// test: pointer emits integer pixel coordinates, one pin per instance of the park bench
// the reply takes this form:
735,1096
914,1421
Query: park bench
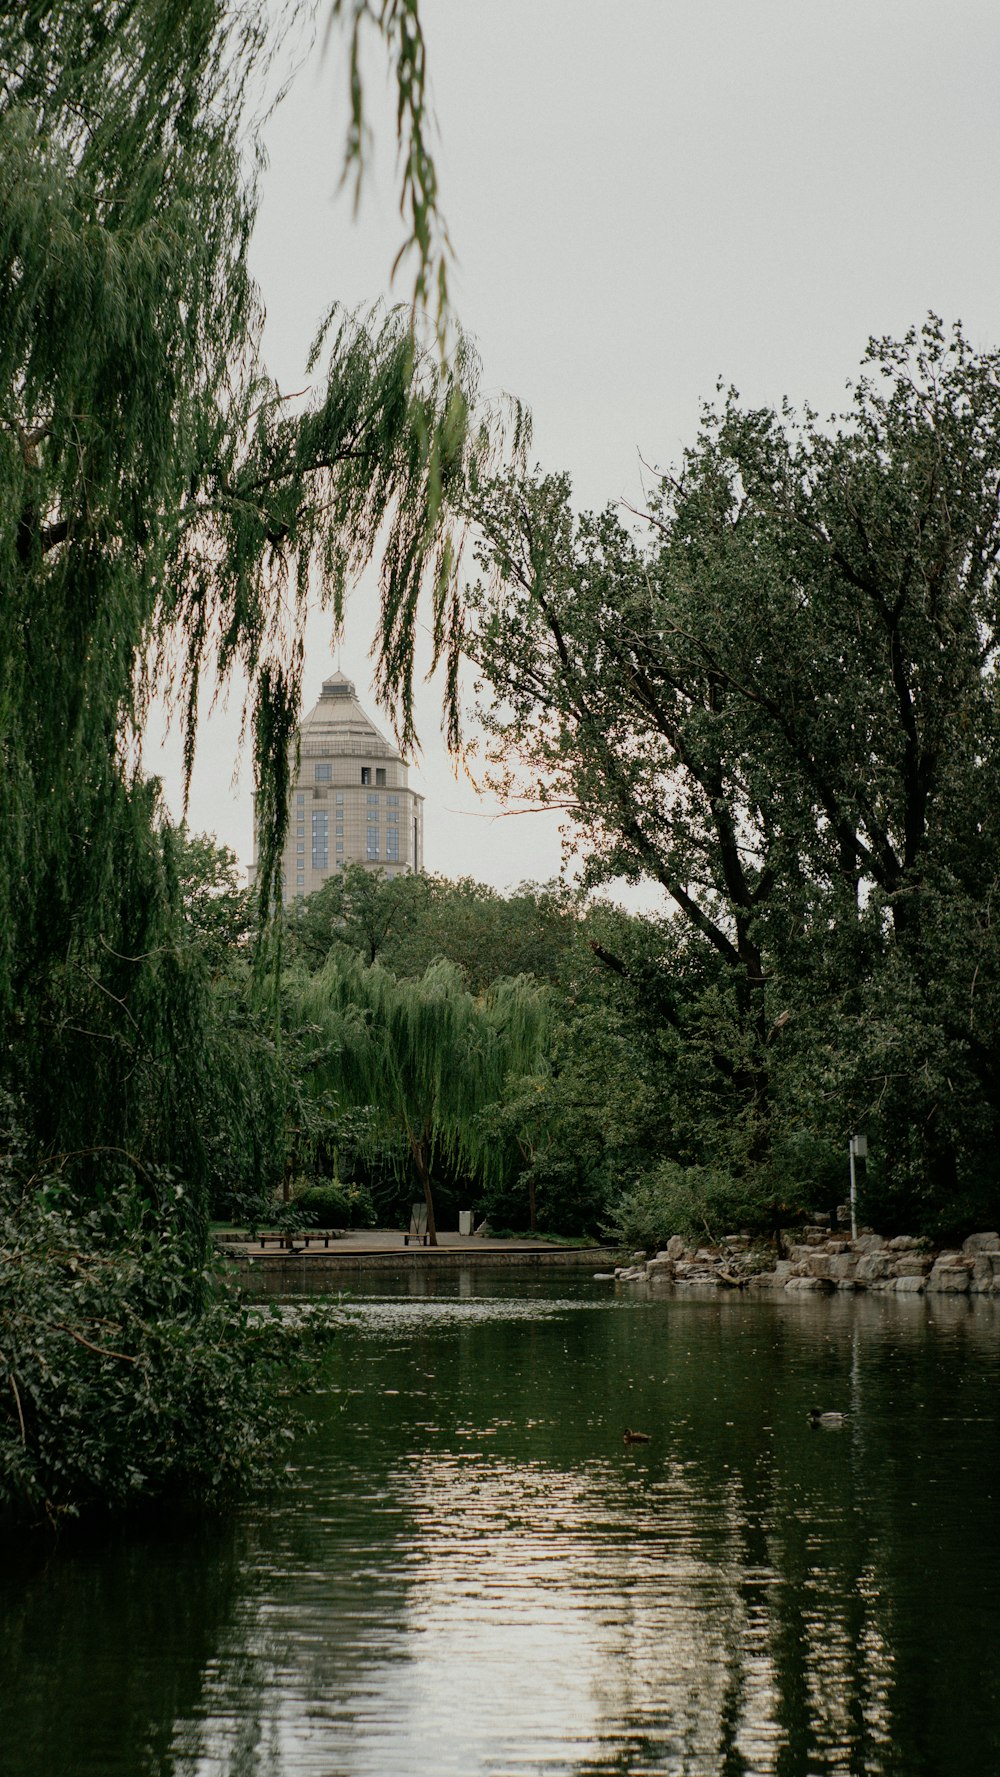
418,1225
315,1235
299,1241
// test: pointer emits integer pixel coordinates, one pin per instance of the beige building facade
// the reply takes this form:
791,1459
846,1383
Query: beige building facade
350,799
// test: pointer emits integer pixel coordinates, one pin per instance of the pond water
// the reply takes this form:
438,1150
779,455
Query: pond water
470,1572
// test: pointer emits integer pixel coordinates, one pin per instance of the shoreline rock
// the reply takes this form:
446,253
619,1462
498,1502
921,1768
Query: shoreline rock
820,1263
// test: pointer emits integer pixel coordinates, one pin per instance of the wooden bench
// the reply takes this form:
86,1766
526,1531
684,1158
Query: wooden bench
299,1241
418,1225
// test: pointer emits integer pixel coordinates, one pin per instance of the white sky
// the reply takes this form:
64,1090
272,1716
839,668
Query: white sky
643,195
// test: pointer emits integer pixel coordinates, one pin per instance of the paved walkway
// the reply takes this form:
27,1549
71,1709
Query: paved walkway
388,1243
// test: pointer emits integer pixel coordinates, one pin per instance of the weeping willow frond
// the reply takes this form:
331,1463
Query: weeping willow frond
164,511
425,1053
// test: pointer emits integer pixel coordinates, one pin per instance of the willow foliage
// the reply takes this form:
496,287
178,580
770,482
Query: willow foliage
163,511
426,1054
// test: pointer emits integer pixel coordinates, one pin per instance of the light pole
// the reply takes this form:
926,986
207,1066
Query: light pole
858,1151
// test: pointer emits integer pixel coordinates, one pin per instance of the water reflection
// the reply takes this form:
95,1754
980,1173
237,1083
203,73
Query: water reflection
472,1573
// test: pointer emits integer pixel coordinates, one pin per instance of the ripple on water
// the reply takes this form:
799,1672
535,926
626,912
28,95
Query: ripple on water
472,1575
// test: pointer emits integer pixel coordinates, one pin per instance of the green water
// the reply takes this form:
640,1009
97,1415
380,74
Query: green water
470,1573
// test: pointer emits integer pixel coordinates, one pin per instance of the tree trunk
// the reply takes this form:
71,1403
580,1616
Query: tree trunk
754,1082
418,1148
528,1157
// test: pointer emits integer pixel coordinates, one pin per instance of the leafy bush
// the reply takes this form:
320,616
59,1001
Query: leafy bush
804,1176
128,1370
336,1204
695,1201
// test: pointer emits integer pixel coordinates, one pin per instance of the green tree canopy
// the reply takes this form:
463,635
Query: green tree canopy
528,931
359,911
429,1057
779,703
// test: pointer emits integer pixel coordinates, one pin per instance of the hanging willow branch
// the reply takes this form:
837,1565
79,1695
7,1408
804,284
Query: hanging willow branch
426,1054
165,512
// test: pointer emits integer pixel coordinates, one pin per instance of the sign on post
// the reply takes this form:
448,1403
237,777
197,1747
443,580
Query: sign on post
858,1151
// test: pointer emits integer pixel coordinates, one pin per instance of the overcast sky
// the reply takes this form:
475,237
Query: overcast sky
644,196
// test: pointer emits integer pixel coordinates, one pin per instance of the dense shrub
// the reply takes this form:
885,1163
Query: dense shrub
127,1371
336,1204
803,1177
696,1201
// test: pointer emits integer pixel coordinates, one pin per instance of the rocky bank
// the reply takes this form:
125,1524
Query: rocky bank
817,1261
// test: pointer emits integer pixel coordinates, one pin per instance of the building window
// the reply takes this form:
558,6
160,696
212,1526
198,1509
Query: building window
340,848
392,799
339,797
372,803
324,773
300,845
380,774
392,844
366,774
321,839
392,817
340,829
373,842
300,797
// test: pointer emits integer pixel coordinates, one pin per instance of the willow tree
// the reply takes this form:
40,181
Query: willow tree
162,510
425,1054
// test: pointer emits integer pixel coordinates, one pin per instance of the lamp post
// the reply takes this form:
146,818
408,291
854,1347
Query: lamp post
858,1151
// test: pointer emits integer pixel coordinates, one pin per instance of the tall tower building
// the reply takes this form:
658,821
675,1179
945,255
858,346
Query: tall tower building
350,801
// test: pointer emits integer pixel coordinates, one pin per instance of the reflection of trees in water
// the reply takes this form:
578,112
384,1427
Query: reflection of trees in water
104,1644
471,1560
843,1547
787,1633
734,1596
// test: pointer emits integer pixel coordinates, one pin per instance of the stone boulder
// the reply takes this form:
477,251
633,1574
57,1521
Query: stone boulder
981,1243
951,1274
912,1264
660,1268
872,1266
869,1243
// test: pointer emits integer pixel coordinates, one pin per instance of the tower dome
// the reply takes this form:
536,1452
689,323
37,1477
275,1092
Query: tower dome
350,797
